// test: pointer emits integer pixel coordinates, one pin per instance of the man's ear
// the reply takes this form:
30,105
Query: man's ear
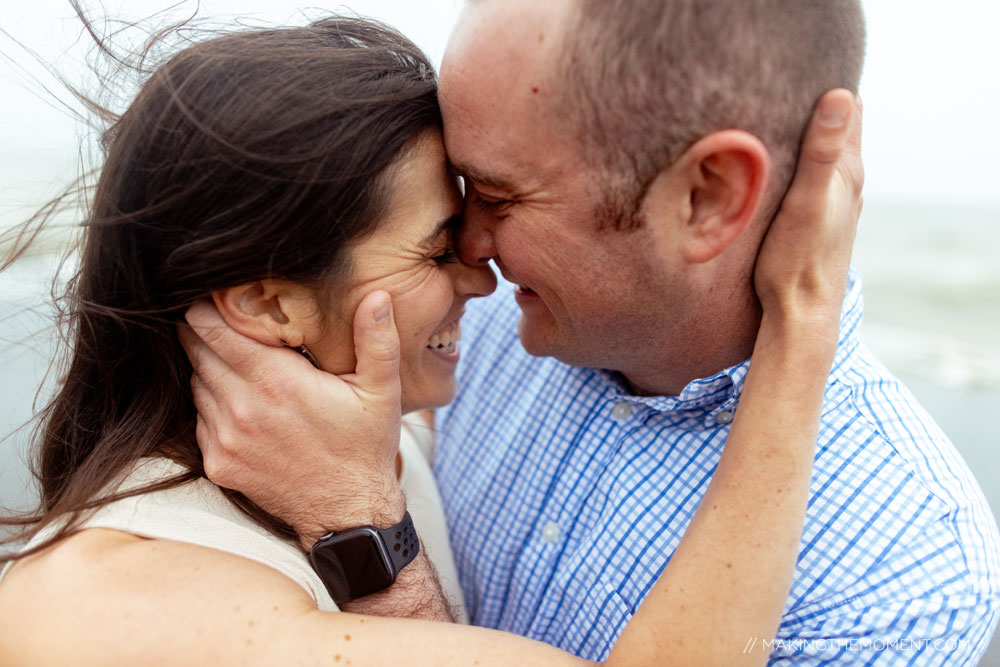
273,312
720,181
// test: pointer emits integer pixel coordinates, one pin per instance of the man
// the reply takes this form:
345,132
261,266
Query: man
622,161
599,183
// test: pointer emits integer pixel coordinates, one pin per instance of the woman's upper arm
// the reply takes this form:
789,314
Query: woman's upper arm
106,597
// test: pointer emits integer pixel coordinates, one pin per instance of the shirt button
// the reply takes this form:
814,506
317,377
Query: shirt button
621,411
724,417
550,532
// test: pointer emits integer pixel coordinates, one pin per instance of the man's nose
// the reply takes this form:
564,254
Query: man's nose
475,243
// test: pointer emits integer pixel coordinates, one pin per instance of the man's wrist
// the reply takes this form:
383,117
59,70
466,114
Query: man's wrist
364,560
373,503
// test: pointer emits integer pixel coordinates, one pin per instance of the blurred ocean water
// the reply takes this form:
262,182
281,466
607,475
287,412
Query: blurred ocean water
932,292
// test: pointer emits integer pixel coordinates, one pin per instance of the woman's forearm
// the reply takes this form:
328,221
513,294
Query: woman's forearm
728,579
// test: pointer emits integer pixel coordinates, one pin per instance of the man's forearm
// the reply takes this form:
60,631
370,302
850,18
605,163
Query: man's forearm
416,593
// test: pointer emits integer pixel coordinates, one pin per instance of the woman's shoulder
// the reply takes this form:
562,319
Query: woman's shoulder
121,582
197,514
200,514
101,592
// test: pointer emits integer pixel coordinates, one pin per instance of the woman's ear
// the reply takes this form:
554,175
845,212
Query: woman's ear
719,182
273,312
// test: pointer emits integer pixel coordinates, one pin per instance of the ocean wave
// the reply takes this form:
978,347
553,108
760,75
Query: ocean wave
946,360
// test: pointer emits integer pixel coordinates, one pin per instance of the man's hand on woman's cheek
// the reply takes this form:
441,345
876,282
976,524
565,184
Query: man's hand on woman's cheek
314,449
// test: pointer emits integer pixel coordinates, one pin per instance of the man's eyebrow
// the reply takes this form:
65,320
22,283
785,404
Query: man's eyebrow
476,176
447,224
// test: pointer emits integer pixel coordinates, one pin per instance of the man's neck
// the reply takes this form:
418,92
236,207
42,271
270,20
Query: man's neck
709,349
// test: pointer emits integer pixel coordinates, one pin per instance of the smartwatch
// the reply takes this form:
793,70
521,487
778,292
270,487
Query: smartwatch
361,561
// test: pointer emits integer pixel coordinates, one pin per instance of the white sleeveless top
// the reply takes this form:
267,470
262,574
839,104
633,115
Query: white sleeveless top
198,513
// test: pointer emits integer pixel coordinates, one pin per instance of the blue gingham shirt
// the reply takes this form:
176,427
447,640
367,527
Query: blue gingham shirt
566,496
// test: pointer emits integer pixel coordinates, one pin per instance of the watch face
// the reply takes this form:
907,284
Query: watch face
352,565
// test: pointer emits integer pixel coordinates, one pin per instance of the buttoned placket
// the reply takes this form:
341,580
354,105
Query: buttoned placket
621,412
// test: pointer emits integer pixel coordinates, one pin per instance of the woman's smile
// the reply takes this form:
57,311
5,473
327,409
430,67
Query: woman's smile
411,256
444,343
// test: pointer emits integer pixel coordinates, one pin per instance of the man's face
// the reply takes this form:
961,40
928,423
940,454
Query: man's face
588,296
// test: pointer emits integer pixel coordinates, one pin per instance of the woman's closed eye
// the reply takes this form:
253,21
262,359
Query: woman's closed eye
446,256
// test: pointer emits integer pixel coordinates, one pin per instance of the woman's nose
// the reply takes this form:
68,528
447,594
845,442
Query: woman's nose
472,281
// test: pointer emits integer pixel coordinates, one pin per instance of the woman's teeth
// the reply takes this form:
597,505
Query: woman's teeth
445,341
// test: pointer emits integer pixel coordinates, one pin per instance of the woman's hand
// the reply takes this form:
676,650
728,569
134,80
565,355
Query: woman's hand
801,271
314,449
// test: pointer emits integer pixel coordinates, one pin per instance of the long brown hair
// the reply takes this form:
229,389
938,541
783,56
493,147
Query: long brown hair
255,154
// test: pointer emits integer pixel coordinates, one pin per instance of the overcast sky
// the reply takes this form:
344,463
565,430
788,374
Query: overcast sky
931,88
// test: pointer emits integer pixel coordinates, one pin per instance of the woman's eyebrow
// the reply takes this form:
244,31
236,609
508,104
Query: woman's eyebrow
449,223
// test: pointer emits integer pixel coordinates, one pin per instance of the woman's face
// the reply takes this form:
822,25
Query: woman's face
411,256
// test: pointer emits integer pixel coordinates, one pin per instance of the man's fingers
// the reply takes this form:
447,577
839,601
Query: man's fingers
206,410
203,360
240,353
376,345
208,443
204,400
205,319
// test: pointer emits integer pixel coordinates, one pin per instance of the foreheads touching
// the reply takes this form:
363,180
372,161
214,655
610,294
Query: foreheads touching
678,121
634,83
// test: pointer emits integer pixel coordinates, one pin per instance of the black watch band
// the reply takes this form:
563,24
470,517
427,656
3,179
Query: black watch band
364,560
401,542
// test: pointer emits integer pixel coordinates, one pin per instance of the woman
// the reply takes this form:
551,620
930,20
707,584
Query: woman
297,177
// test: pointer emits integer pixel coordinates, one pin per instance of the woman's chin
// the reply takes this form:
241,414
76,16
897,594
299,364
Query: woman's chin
429,397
